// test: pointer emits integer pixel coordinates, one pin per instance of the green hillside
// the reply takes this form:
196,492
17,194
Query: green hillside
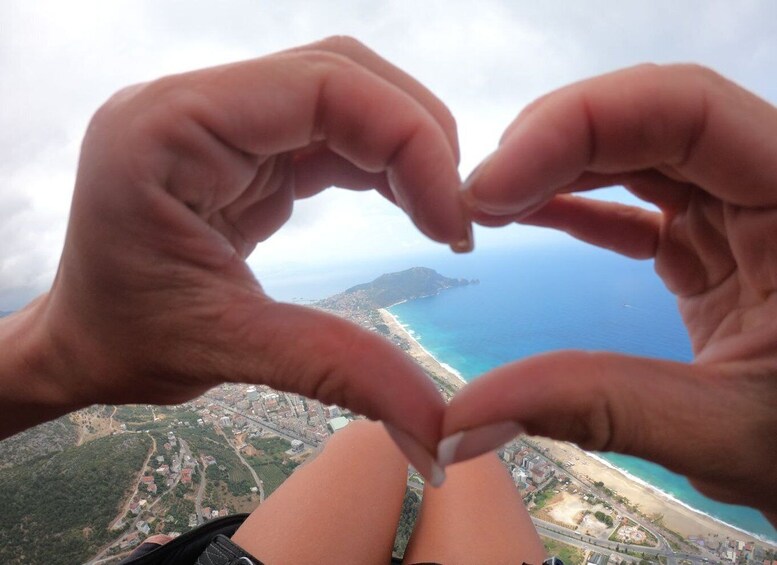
56,509
391,288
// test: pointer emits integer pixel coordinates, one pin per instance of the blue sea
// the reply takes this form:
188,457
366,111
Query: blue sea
569,296
532,300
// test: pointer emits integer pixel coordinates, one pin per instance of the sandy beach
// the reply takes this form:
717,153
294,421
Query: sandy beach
651,502
421,355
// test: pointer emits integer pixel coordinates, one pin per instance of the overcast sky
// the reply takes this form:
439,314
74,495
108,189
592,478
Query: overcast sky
60,60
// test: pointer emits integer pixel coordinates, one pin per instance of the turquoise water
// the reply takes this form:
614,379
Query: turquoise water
575,296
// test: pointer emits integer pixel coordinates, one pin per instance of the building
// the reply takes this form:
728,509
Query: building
297,445
130,541
597,559
337,423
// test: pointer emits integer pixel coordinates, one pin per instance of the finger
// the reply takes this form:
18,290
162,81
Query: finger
286,102
367,58
680,416
628,230
325,357
707,129
321,168
651,186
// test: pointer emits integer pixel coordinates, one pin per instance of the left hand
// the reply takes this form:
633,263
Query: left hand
179,179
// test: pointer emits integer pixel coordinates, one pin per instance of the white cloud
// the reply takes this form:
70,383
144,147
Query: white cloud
60,60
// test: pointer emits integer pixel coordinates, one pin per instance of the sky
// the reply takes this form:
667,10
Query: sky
486,60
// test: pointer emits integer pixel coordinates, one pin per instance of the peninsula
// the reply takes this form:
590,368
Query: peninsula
392,288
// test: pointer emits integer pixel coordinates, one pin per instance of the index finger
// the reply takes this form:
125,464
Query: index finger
225,120
367,58
714,133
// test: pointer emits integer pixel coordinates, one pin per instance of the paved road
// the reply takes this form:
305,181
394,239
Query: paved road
663,544
282,432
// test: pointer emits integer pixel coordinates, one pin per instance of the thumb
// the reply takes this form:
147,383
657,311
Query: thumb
712,424
322,356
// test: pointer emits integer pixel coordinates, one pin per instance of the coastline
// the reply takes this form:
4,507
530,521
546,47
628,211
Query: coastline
417,351
652,501
674,500
675,514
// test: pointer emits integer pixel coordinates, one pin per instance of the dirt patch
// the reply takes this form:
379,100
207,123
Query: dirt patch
249,450
566,508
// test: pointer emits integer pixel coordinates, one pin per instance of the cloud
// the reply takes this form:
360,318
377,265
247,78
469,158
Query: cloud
60,61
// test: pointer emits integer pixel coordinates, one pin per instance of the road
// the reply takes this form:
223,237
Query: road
570,537
282,432
588,487
103,550
257,480
200,491
123,513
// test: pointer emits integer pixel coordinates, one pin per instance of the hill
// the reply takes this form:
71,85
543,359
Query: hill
392,288
41,440
56,509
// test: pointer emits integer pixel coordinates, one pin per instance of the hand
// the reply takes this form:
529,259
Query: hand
178,181
704,152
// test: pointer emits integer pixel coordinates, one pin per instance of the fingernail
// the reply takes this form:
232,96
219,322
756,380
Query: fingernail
477,441
467,243
419,457
466,188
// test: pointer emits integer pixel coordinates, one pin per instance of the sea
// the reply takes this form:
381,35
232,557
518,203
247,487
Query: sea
544,298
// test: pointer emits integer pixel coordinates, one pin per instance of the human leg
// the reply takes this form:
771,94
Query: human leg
476,516
342,507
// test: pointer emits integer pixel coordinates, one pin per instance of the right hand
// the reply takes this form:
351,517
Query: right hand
704,151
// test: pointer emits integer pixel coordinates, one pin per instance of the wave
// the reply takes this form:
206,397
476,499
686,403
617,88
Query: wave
417,340
669,496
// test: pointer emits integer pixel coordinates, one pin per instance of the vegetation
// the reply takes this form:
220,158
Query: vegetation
228,468
606,490
570,555
271,463
42,440
272,476
179,508
56,510
541,497
603,518
392,288
410,508
134,413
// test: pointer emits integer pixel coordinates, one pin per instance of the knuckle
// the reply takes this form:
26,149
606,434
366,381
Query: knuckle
341,44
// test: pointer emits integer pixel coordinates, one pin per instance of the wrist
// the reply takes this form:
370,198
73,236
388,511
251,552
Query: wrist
33,379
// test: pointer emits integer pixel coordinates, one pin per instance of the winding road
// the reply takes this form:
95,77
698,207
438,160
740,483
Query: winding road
257,480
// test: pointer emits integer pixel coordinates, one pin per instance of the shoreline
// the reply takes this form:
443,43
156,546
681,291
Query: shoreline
674,500
677,515
443,371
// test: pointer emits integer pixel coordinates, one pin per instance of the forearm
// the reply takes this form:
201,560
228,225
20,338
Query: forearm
32,383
